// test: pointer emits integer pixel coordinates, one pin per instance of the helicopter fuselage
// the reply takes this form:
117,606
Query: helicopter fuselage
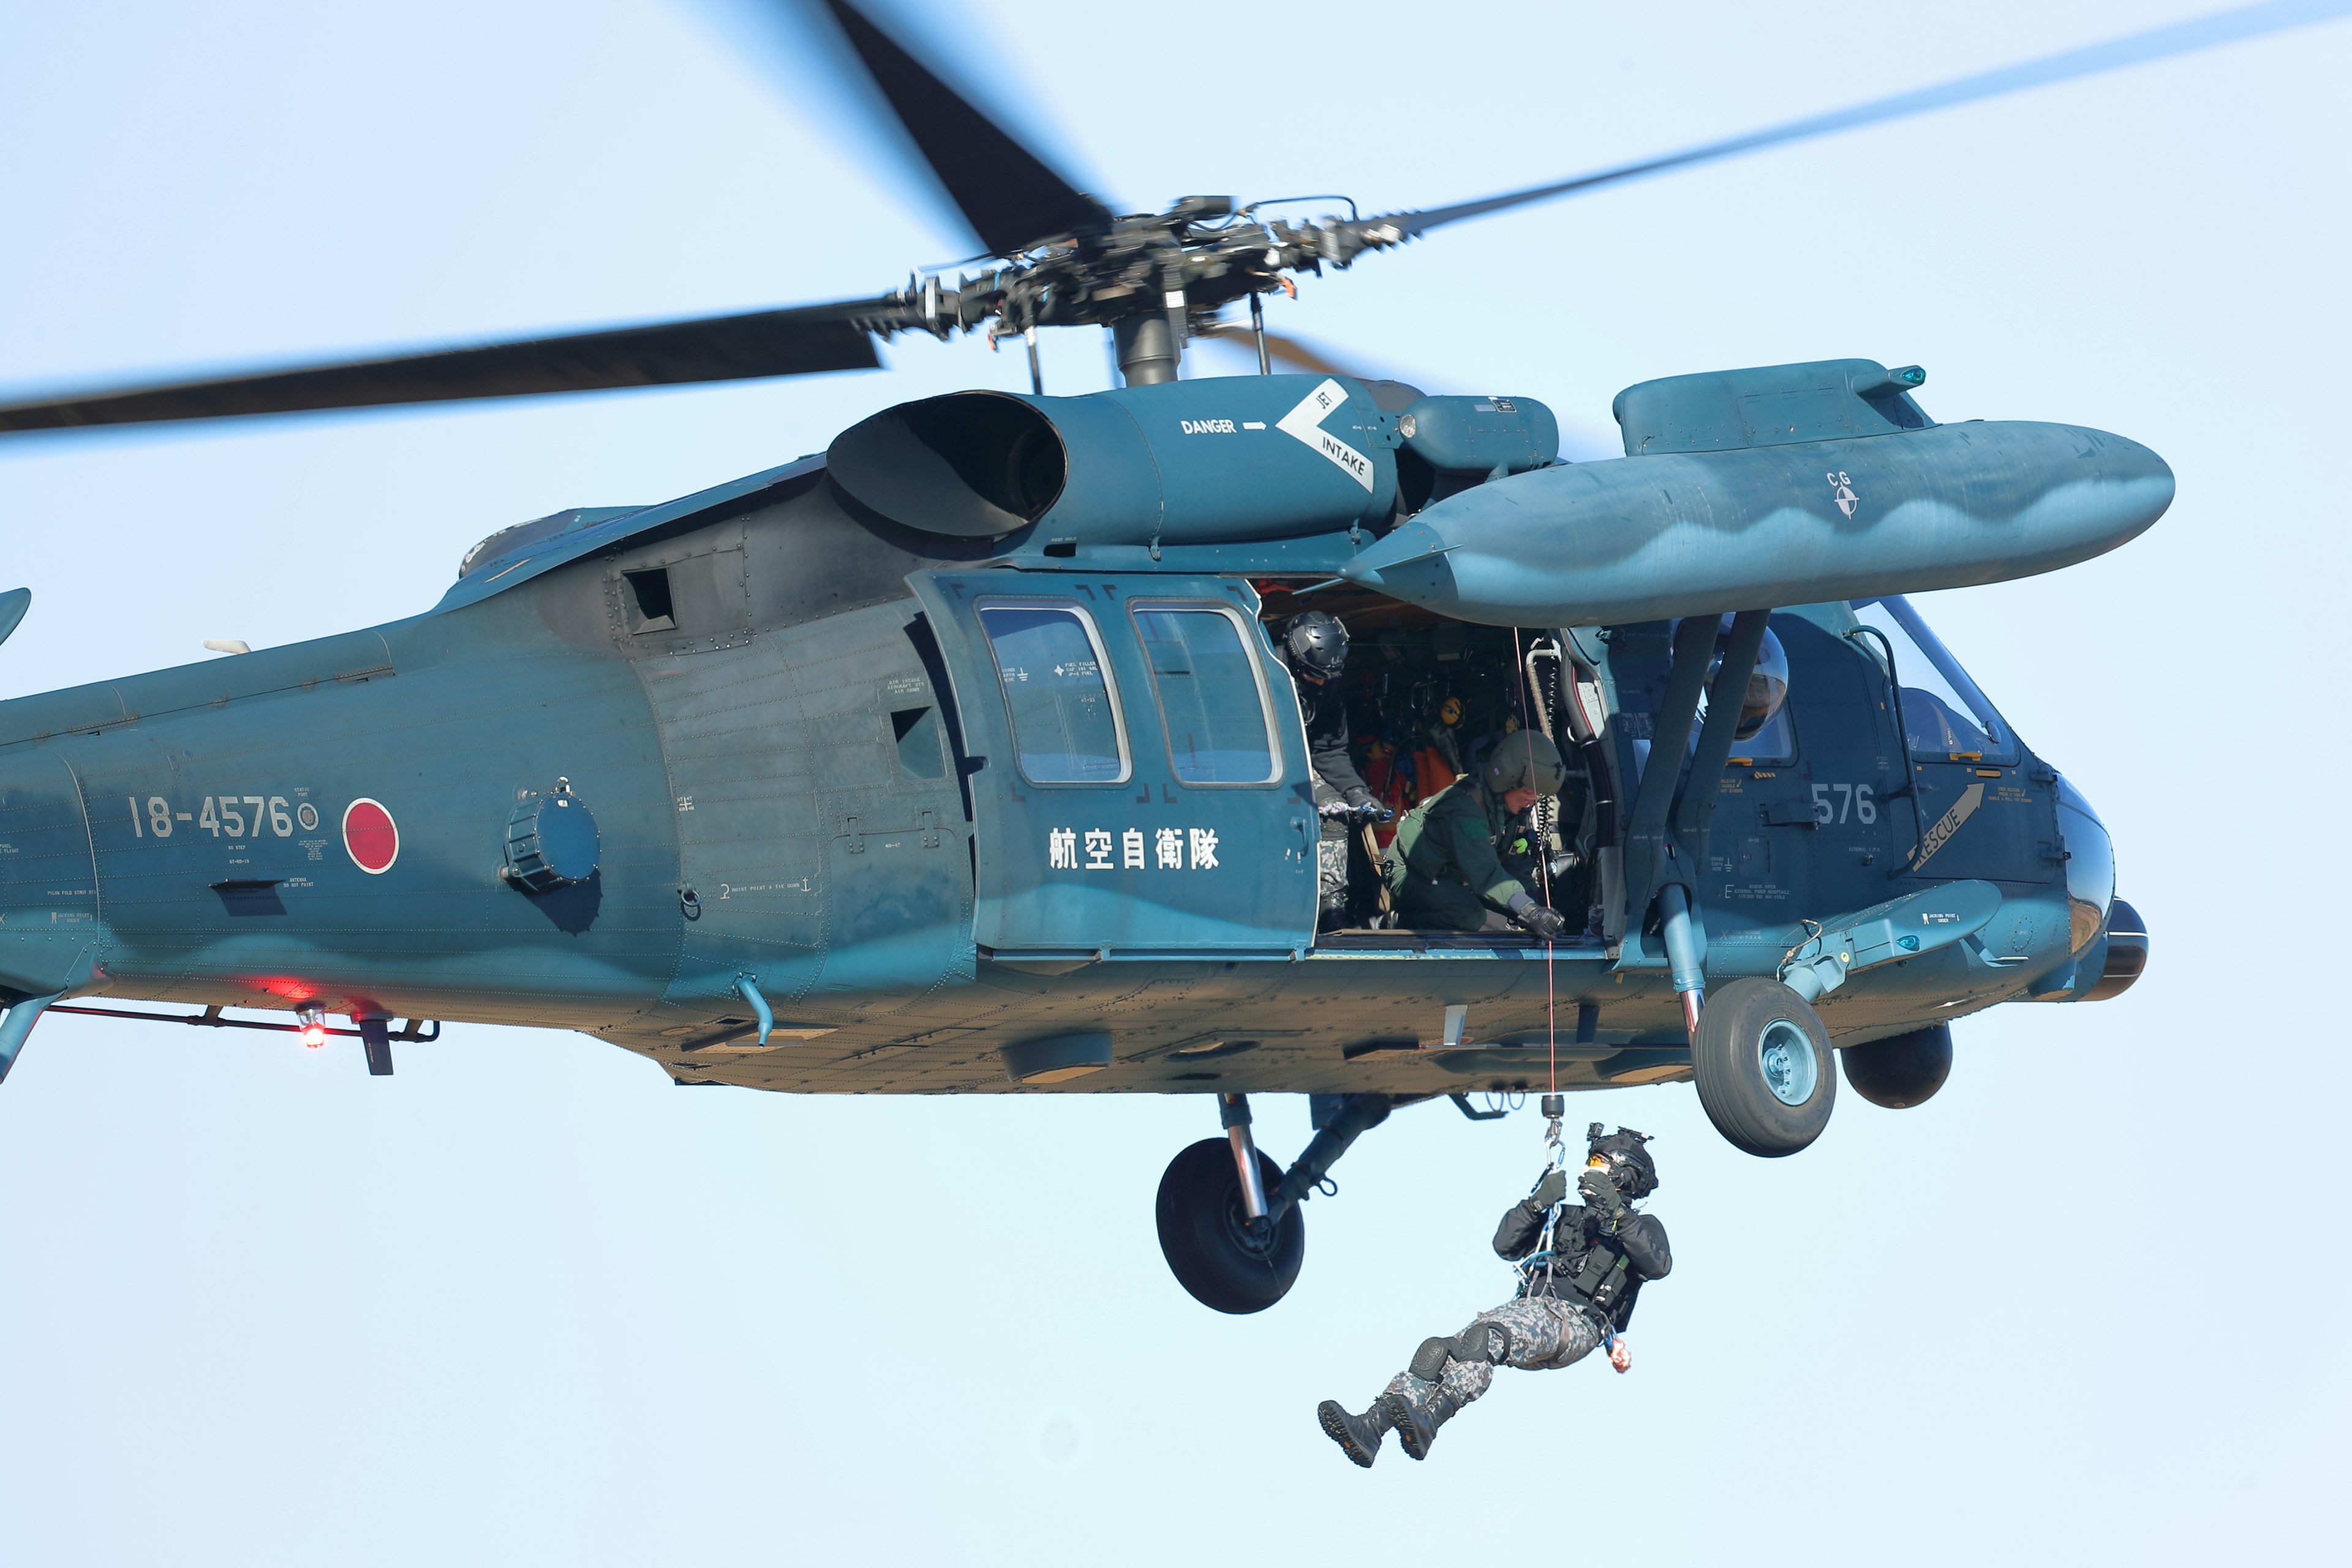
799,729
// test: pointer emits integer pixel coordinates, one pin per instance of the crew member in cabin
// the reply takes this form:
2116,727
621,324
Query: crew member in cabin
1443,870
1313,649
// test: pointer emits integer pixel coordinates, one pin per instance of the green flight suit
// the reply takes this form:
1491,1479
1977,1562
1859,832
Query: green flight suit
1442,870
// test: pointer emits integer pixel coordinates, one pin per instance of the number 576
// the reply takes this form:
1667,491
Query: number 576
1851,798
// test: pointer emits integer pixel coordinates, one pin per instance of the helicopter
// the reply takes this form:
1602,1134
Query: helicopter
885,771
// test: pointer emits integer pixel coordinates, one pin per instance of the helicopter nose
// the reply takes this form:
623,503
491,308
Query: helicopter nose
2090,865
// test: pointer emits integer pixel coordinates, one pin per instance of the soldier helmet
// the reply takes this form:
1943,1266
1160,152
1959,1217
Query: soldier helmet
1630,1165
1318,644
1523,760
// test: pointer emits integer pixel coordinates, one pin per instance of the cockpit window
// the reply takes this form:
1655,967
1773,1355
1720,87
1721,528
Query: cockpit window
1764,733
1945,717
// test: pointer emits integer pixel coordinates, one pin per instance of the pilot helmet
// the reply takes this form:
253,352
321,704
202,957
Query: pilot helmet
1318,644
1768,687
1630,1167
1522,759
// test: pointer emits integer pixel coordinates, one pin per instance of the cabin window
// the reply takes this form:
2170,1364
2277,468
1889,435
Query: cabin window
1066,720
1945,717
1212,696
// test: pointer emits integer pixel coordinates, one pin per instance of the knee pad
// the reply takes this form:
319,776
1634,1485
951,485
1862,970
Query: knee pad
1487,1341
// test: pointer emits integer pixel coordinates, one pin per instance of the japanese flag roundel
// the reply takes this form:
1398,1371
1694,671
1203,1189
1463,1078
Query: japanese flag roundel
371,836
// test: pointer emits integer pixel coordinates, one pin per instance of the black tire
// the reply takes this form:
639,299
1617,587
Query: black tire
1210,1244
1761,1061
1902,1070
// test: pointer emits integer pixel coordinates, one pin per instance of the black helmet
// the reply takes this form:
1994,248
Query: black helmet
1630,1165
1318,644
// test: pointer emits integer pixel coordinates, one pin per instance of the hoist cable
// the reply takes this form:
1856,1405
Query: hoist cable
1543,883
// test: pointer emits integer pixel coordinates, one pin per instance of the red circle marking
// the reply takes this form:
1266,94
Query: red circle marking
371,836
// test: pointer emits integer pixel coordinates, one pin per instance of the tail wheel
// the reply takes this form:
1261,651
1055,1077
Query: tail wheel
1216,1254
1762,1062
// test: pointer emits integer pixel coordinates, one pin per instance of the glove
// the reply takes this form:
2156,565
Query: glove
1550,1190
1363,808
1534,917
1600,1194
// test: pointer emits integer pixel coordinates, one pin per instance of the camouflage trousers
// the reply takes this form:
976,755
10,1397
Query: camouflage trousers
1545,1335
1330,851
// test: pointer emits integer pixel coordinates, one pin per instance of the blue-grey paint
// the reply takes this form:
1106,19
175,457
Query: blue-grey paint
783,714
1685,531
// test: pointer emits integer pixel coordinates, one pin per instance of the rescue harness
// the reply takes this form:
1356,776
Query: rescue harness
1600,1281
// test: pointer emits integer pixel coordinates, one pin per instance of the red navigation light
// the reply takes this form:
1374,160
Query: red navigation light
314,1034
314,1024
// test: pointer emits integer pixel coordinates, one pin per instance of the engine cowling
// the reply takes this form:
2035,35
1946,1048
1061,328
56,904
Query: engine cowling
1223,461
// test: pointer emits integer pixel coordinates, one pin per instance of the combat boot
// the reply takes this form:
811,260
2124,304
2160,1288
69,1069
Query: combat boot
1358,1436
1416,1428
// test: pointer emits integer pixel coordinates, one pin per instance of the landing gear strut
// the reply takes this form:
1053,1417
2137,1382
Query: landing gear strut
1228,1216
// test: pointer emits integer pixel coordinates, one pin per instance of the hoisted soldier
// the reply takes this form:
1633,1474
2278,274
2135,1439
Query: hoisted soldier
1580,1268
1443,870
1313,649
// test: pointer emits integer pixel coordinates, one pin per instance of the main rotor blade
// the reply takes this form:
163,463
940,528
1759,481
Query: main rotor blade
797,342
2159,43
1012,197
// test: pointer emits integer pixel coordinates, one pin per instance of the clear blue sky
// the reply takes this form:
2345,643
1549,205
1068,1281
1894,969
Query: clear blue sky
526,1303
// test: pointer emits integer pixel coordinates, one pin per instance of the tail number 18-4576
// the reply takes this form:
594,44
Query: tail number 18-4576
236,816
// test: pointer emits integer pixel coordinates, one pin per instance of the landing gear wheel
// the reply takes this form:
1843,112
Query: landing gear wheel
1216,1254
1761,1060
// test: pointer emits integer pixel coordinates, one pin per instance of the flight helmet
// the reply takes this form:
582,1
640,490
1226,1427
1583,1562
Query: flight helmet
1767,686
1520,760
1318,644
1630,1165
